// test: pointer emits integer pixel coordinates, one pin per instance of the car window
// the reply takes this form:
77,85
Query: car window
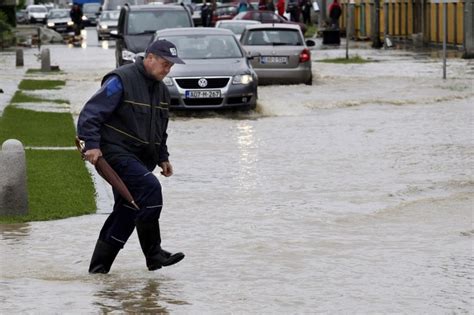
268,17
206,46
274,37
145,21
90,8
109,16
38,9
236,28
57,14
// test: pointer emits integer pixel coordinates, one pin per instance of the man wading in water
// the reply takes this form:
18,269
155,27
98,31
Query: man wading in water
125,122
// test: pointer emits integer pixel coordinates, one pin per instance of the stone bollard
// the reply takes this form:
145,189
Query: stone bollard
45,60
19,58
13,190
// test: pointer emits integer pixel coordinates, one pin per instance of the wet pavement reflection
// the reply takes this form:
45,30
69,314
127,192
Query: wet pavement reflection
353,195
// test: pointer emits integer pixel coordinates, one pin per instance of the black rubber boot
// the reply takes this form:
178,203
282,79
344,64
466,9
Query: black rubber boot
103,257
150,240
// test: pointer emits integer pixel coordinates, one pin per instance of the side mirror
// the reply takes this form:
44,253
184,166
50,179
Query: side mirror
310,43
252,55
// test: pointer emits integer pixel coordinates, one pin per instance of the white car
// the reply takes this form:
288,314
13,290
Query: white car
36,13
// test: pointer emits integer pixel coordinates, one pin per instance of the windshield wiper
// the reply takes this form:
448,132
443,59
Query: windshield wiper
144,32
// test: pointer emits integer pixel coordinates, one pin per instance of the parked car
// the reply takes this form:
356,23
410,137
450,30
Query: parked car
223,12
267,17
36,13
138,24
90,13
21,17
60,21
280,52
217,73
107,22
236,26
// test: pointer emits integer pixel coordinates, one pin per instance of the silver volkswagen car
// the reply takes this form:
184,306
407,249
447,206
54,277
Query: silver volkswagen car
217,73
281,53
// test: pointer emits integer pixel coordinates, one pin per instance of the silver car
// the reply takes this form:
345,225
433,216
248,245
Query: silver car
281,54
217,73
236,26
60,21
106,23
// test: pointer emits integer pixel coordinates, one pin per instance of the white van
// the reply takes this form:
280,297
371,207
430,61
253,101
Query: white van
36,13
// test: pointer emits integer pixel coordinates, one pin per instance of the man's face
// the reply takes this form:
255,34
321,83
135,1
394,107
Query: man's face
157,67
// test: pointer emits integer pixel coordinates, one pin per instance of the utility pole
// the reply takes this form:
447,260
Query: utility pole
468,29
376,42
444,37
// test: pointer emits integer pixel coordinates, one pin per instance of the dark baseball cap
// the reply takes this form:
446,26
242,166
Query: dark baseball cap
164,49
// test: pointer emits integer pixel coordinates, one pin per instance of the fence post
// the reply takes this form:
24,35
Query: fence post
19,58
468,29
45,60
13,190
376,42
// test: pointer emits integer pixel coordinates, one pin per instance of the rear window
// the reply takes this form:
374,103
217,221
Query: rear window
147,21
274,37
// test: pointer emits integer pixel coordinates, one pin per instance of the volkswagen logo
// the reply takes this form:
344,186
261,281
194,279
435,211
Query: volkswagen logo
202,82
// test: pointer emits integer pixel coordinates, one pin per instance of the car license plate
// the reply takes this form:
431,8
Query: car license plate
203,94
61,28
274,59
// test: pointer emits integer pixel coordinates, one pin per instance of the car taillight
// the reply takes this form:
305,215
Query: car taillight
305,55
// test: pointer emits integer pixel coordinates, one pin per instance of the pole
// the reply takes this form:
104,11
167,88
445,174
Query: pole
347,29
445,35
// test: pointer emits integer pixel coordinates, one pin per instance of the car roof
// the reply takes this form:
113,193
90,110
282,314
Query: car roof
156,7
238,21
194,31
274,25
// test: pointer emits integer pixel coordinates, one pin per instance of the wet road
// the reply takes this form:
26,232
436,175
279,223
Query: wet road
352,195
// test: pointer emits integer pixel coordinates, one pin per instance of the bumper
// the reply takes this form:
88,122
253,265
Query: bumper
232,96
297,75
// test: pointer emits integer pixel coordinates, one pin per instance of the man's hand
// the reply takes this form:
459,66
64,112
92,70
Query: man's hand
167,168
92,155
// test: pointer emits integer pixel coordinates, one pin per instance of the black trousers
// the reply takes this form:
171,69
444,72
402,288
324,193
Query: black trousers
146,190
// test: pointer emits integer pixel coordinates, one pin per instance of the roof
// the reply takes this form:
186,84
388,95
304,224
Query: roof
156,7
194,31
274,25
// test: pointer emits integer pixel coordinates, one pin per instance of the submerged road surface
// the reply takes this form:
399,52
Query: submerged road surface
351,195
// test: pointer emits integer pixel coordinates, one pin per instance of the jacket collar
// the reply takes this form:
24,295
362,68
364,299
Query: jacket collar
141,67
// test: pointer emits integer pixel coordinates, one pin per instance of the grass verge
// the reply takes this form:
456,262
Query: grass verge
41,84
355,59
37,128
59,186
20,97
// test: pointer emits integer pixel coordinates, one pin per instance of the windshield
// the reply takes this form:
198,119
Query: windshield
206,46
38,9
91,8
140,22
274,37
109,15
58,14
116,4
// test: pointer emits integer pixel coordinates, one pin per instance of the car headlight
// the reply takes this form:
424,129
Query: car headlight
128,55
242,79
50,24
84,18
167,81
104,27
70,23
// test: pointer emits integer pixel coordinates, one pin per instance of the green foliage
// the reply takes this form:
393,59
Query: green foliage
34,128
20,97
355,59
41,84
59,186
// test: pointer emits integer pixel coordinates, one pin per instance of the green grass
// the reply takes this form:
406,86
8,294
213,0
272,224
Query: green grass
355,59
41,84
37,128
59,186
20,97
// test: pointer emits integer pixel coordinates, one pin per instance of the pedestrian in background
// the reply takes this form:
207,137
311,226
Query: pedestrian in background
262,5
306,6
335,12
244,6
293,9
281,8
270,6
125,122
76,17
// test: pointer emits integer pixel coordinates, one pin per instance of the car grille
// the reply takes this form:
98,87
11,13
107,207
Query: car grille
203,101
212,83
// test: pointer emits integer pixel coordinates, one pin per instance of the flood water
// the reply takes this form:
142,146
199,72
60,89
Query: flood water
351,195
